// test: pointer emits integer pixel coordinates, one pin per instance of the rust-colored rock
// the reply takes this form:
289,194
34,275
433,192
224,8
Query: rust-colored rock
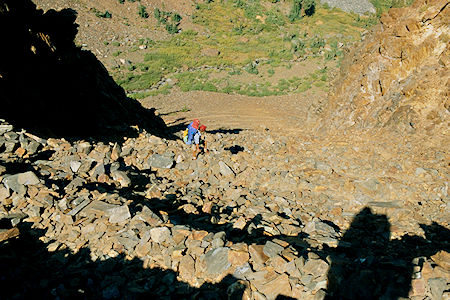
398,78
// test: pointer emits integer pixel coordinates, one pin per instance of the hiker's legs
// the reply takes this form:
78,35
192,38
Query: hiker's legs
196,142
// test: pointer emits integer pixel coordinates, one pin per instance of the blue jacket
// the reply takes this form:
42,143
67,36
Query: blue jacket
191,132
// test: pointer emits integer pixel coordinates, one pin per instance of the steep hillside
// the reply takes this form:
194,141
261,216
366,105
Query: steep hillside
399,78
51,86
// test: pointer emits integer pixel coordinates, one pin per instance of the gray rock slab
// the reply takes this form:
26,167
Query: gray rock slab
357,6
272,249
75,166
315,267
121,177
79,207
148,216
27,178
217,260
160,161
5,128
225,170
99,208
12,183
437,286
119,214
160,234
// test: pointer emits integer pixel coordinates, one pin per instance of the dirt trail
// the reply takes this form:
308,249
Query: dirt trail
287,113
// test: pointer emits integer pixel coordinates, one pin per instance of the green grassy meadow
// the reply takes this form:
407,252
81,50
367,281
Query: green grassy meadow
254,38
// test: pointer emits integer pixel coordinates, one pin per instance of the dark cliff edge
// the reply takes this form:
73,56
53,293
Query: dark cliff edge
51,87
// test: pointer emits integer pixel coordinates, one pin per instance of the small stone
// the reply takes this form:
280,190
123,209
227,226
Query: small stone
437,286
277,287
217,260
149,217
75,166
320,295
6,234
186,267
257,254
121,177
160,161
418,287
272,249
238,258
27,178
225,170
4,193
20,152
98,170
241,272
160,234
95,208
442,259
5,128
115,152
119,214
240,223
207,207
315,267
11,182
79,207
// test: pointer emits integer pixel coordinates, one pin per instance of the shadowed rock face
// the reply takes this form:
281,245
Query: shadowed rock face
399,77
51,86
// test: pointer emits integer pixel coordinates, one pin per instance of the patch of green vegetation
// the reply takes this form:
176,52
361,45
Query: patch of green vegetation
116,53
301,8
195,81
142,11
164,90
135,82
252,69
106,14
244,32
185,109
204,81
169,19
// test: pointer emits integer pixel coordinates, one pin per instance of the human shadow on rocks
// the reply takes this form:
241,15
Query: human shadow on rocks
31,271
367,264
235,149
225,131
53,88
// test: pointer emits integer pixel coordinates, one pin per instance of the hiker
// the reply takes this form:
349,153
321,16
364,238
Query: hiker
192,135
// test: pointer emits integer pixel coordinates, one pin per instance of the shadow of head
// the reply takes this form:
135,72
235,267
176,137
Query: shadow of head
53,88
225,131
235,149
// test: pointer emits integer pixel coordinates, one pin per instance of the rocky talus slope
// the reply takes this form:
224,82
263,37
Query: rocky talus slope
261,215
266,214
399,78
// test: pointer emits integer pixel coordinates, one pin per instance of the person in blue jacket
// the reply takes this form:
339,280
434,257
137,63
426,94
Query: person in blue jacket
191,136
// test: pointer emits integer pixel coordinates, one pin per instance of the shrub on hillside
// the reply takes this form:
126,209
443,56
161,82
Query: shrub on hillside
301,8
142,11
169,19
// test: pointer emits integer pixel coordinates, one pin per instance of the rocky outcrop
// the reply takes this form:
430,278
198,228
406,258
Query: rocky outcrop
358,6
399,77
50,86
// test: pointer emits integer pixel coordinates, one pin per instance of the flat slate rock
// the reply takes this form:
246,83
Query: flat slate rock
217,260
161,162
